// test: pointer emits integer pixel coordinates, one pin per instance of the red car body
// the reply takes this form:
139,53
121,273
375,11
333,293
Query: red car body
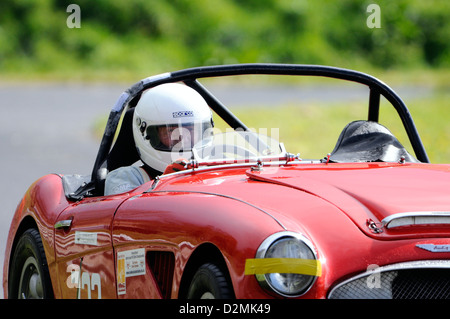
363,220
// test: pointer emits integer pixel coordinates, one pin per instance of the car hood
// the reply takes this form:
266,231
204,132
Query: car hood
374,196
381,198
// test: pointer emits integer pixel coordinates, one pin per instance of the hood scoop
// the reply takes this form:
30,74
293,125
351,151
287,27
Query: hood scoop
416,219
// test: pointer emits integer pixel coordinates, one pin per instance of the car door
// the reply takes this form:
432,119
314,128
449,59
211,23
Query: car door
84,254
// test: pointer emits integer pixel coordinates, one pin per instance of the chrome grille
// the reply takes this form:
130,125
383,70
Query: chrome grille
412,280
422,284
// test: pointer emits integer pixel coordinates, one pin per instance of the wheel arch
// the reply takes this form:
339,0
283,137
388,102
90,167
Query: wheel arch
204,253
28,222
34,243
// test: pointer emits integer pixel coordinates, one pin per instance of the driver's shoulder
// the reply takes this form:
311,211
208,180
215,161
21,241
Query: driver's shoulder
128,171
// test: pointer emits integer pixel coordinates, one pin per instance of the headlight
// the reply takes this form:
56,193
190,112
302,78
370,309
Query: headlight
292,253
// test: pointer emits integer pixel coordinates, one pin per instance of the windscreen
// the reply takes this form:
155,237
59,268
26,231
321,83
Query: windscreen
237,145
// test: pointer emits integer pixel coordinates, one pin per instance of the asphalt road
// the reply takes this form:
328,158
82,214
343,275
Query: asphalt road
47,129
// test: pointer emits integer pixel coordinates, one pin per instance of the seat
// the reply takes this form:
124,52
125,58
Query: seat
123,152
367,141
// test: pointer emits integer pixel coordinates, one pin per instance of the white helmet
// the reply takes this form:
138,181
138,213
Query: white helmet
168,120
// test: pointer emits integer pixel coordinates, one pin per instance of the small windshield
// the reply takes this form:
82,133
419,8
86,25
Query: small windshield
237,145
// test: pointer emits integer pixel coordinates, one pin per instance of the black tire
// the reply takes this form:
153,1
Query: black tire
209,282
28,274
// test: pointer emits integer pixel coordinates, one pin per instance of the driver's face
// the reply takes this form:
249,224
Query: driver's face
172,135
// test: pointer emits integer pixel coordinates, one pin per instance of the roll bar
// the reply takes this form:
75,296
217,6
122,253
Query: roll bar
189,77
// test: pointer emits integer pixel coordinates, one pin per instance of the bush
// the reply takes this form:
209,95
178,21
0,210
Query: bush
140,35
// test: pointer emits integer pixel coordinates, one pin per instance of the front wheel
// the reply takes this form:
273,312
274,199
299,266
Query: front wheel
29,277
209,282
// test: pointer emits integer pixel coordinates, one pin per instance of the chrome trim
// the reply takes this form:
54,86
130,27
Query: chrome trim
63,224
420,264
416,218
435,248
274,164
261,252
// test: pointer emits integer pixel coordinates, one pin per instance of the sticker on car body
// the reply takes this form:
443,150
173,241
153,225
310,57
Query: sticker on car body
86,238
130,263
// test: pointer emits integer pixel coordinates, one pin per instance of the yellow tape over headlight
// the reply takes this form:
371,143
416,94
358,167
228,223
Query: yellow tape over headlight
260,266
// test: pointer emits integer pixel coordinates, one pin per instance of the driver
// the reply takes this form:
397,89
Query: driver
168,120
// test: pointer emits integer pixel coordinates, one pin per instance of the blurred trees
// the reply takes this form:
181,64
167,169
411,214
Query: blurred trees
159,35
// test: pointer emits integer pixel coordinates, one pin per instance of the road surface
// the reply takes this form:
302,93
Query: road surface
46,129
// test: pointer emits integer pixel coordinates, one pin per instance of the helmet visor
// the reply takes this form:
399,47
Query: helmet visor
178,137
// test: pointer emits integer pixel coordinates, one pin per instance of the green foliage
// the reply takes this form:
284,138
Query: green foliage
312,129
142,37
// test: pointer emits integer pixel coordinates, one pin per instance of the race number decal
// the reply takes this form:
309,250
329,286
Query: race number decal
83,281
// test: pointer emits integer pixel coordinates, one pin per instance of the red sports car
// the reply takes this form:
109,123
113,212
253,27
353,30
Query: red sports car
246,218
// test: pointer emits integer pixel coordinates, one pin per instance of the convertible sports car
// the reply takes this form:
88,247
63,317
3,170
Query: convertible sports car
246,218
